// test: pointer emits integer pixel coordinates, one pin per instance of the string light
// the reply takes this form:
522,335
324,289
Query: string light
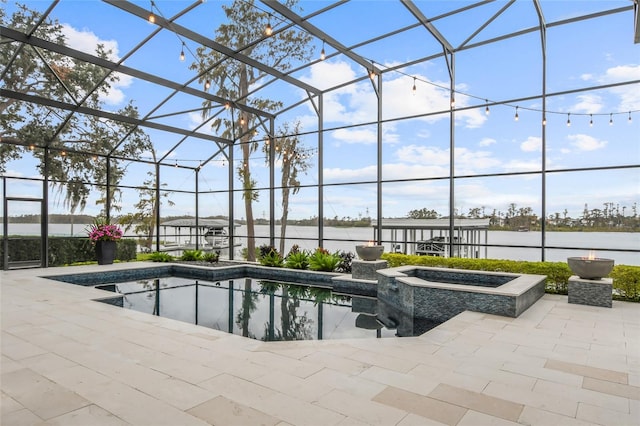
569,120
152,17
31,147
610,119
414,85
322,53
629,121
207,84
544,120
517,117
268,30
486,109
453,101
590,120
182,52
242,119
372,74
227,105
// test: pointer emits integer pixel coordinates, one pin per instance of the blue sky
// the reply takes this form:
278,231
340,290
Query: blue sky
596,52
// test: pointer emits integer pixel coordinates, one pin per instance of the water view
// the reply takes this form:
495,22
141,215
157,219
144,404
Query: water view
521,244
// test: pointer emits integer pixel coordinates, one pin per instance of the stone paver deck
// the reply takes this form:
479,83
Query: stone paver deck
67,360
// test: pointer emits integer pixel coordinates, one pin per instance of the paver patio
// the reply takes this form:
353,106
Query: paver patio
67,360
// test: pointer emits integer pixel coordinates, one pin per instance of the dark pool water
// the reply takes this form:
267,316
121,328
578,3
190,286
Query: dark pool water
259,309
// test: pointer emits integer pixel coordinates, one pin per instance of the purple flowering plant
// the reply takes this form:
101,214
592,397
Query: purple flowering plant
104,231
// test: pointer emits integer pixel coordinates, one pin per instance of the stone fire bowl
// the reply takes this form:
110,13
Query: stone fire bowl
590,269
369,252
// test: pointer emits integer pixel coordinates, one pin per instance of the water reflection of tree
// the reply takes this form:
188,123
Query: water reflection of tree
249,300
295,326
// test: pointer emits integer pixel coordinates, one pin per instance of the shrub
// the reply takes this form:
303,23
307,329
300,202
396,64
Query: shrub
626,282
211,256
346,259
297,260
269,256
64,250
191,255
158,256
322,260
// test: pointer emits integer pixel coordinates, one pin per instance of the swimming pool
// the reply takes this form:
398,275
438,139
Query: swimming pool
258,309
250,301
289,304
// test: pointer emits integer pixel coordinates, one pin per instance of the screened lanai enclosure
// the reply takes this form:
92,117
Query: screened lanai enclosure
323,124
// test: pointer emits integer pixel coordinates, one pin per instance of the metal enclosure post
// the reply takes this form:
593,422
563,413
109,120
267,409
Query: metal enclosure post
157,206
232,229
197,211
320,170
272,181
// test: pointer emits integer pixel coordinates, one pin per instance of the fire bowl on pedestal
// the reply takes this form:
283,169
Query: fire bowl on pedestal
369,252
590,269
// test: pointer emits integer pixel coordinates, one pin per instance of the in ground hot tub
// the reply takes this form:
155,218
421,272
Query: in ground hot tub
438,294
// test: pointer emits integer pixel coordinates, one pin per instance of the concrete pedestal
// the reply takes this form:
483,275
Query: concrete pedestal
591,292
366,269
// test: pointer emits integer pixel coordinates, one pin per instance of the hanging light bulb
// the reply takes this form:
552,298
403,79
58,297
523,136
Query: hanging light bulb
569,120
544,120
517,117
414,86
152,17
611,119
268,30
207,84
453,101
372,74
486,109
629,121
182,52
590,120
322,53
227,105
242,119
31,147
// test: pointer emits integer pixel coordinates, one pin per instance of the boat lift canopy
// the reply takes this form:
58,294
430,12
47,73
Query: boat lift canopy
431,236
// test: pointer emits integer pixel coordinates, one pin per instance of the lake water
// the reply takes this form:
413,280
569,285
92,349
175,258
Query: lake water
604,244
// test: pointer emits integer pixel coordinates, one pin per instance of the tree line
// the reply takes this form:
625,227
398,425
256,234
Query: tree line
612,217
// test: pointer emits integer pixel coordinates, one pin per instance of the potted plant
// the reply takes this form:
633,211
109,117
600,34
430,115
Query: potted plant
103,236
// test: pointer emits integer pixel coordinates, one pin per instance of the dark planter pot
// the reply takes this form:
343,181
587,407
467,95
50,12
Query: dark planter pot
105,252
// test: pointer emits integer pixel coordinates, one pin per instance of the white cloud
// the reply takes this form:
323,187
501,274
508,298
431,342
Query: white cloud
629,96
589,104
522,165
358,103
533,143
365,136
86,41
586,77
487,141
585,142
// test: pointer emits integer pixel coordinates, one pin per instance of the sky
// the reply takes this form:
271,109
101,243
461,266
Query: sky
415,152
